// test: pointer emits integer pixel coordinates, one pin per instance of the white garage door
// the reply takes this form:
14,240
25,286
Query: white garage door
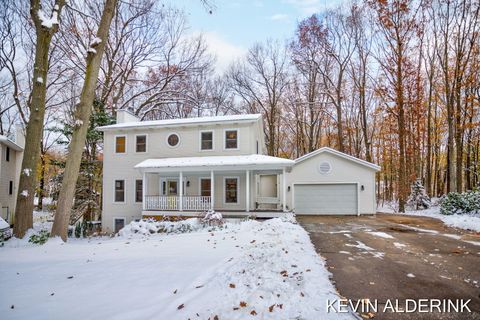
325,199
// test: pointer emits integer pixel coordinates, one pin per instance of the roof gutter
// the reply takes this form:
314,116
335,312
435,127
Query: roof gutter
153,126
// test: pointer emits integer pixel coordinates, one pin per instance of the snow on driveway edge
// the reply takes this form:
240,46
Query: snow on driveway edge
461,221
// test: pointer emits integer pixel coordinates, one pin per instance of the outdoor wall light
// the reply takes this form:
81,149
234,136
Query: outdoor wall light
362,187
188,184
288,188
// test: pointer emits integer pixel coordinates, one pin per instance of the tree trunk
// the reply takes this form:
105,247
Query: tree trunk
401,131
34,132
469,164
363,112
338,104
451,183
458,139
82,116
41,188
428,169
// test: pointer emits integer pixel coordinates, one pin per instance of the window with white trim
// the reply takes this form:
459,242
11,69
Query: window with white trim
138,190
173,140
205,187
119,195
231,190
118,224
231,139
120,144
141,143
206,140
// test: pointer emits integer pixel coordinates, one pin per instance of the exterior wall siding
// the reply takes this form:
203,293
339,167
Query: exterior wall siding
9,171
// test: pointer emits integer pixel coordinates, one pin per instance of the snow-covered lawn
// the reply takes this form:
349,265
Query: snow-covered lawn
249,270
462,221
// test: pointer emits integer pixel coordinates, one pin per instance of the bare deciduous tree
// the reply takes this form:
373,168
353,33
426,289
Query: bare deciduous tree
260,81
82,118
46,25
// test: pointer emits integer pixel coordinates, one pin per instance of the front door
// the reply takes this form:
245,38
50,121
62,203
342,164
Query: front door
169,187
172,187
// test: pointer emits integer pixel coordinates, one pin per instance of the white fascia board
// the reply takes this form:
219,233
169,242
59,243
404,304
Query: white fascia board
339,154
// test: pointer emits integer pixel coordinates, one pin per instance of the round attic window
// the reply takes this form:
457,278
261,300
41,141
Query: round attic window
324,167
173,140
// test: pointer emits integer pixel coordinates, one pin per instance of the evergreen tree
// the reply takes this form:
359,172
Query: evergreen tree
418,198
89,185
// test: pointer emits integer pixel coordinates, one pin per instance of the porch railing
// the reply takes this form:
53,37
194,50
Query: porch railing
190,203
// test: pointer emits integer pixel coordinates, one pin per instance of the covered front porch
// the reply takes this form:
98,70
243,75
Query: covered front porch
234,185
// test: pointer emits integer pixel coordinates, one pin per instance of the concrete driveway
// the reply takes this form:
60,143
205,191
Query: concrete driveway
401,257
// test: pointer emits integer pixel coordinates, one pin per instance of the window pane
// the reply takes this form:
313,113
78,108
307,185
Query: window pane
120,145
205,185
10,188
119,191
231,139
172,188
7,154
119,224
207,140
138,190
173,140
141,145
231,190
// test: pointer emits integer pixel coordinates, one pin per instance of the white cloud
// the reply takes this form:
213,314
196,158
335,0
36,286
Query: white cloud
309,7
279,17
224,51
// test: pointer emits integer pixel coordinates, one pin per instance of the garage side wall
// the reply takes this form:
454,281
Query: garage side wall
342,171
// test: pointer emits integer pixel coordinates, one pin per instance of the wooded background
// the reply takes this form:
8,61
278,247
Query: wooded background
394,82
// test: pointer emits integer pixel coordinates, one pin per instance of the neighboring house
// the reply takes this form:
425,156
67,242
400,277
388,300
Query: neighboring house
11,155
183,167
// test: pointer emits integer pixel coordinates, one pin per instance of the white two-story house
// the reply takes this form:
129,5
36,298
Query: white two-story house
183,167
11,155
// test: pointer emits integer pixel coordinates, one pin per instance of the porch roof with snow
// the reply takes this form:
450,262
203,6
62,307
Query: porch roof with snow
9,143
241,162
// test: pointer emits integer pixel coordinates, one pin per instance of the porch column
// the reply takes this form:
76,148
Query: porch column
284,187
247,195
180,205
144,190
212,190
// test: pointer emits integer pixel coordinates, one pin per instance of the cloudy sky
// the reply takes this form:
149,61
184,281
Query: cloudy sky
235,25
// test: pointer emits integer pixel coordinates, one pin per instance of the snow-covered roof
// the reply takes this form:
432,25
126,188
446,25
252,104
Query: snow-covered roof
3,224
9,143
242,161
184,121
341,155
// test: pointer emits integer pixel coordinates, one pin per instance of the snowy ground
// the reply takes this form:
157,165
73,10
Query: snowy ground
248,270
462,221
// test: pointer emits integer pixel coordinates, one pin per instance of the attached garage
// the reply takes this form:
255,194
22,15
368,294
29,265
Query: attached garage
329,182
326,198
